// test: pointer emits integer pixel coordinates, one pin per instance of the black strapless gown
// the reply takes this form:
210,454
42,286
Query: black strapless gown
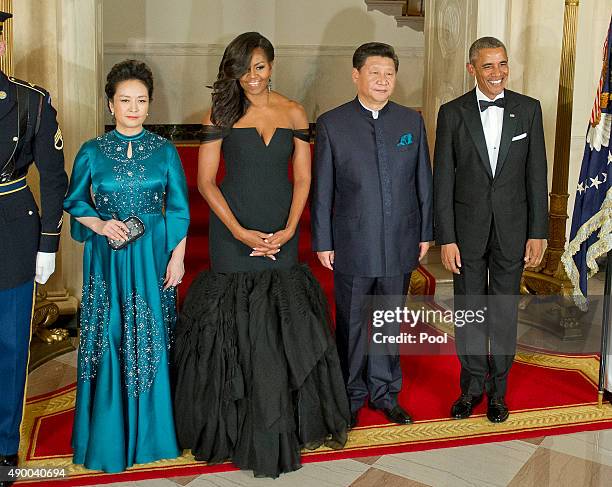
257,374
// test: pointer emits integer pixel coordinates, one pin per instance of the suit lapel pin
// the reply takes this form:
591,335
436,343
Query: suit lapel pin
2,95
512,115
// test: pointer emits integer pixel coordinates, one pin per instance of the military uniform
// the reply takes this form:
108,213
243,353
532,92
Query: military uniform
28,133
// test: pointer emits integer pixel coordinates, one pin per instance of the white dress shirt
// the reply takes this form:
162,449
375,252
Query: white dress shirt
373,112
492,122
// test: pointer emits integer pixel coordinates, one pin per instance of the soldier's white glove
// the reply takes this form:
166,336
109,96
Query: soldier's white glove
45,265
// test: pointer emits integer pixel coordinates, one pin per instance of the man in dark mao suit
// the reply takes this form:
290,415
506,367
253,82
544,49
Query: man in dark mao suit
28,242
372,217
491,215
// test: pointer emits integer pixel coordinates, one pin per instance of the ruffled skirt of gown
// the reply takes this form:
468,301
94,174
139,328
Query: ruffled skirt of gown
256,370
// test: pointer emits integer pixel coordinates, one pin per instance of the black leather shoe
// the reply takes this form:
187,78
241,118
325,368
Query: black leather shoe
497,412
353,422
462,407
607,396
7,461
397,414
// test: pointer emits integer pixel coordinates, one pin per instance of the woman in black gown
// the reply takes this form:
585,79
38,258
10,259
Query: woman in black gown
257,372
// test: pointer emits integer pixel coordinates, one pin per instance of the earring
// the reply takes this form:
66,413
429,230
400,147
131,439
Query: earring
269,85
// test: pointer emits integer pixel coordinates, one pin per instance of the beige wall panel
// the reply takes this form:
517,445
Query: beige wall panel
314,44
450,27
58,45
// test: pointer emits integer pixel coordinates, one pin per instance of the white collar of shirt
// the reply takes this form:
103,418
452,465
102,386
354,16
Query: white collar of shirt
373,112
481,96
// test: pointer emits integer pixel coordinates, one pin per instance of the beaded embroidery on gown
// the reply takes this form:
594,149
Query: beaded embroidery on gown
257,372
124,408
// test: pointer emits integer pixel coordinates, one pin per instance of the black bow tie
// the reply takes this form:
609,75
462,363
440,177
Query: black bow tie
484,104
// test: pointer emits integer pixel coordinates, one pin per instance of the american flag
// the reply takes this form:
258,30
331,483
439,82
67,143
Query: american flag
591,234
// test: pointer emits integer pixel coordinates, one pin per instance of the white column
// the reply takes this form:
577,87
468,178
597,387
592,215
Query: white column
58,45
450,28
493,19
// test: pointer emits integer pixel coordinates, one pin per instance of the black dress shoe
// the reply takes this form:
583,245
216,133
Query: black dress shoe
497,412
353,422
462,407
397,414
607,396
7,461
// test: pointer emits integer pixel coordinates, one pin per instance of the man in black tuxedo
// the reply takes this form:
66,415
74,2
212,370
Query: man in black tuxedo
490,199
372,217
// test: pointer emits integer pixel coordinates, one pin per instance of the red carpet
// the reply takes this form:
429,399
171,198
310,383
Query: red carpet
548,394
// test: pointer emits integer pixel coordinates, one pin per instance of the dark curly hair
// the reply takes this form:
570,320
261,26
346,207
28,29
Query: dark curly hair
229,102
128,70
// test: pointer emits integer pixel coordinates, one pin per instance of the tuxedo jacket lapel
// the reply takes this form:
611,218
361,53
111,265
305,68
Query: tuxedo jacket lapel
474,124
508,129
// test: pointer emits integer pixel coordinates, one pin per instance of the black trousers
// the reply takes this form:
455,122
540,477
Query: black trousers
486,350
377,375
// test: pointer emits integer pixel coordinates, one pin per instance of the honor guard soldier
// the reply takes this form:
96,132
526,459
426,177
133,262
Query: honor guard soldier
28,242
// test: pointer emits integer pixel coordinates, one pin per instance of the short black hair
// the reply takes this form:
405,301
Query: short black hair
125,71
369,49
485,43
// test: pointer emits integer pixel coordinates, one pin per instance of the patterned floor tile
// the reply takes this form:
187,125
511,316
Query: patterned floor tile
548,468
68,358
49,377
595,446
376,478
492,464
367,460
339,473
155,483
535,441
184,481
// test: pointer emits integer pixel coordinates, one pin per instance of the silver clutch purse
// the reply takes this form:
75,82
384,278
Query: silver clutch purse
136,229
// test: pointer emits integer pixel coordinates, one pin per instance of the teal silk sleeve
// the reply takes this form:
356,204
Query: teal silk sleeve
177,203
78,202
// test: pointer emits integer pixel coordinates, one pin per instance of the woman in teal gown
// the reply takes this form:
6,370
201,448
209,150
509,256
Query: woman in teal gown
124,409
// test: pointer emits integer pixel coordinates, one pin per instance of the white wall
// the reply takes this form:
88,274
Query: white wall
594,19
534,48
536,33
183,42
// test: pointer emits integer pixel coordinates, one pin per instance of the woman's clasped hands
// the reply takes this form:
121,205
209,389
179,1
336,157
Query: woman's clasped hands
265,244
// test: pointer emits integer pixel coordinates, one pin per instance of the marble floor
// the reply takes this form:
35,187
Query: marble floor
574,460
